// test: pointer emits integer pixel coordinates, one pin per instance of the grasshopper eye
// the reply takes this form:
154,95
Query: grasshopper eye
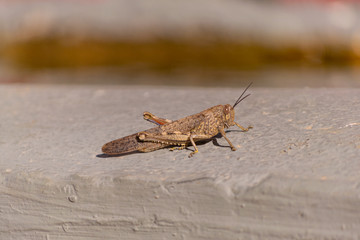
227,109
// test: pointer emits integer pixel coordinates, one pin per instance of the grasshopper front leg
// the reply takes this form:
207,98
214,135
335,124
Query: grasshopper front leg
154,119
221,130
242,128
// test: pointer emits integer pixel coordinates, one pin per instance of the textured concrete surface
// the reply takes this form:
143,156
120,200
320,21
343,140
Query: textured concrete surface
294,176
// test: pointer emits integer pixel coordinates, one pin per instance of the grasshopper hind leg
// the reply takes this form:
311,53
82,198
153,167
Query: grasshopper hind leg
151,148
154,119
183,146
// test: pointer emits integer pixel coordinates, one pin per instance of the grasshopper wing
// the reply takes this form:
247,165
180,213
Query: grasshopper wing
131,144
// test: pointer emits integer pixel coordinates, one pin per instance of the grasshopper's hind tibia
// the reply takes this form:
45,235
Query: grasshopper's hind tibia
172,138
178,148
154,119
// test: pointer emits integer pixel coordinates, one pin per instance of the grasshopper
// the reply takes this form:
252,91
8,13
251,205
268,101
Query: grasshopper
180,133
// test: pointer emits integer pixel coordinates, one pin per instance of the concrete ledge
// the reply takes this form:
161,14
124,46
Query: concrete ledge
294,176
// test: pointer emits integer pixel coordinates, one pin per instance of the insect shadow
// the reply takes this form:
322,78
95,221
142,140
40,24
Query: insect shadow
213,140
104,155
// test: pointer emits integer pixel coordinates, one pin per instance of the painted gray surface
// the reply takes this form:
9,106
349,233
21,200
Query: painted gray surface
294,176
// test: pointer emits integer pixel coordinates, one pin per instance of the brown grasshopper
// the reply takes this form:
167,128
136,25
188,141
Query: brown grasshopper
180,133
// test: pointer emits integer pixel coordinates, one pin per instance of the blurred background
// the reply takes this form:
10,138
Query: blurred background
228,43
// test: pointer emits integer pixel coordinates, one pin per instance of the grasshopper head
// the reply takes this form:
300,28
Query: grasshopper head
228,116
229,112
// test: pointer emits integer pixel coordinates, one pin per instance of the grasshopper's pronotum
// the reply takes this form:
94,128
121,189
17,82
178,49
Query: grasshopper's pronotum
180,133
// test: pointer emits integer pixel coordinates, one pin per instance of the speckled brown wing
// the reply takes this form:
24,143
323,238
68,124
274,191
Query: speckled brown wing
131,143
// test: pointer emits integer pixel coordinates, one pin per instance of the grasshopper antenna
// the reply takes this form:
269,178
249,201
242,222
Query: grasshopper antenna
240,99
